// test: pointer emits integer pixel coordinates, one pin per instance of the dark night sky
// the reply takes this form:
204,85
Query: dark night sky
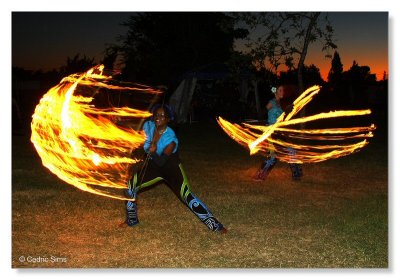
44,40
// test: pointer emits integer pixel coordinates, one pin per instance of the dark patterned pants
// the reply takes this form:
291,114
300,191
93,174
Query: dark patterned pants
173,174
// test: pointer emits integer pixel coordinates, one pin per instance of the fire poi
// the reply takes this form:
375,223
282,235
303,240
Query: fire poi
83,144
86,147
311,145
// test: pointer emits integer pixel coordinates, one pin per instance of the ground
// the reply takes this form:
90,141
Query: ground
335,217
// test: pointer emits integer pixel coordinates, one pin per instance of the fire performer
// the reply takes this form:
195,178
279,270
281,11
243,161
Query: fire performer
274,108
162,163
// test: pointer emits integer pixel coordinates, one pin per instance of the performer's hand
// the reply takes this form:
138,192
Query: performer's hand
138,152
153,148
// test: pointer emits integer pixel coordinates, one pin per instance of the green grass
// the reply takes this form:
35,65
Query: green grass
336,217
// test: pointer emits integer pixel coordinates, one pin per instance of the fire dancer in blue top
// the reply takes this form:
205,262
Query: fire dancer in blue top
274,111
162,163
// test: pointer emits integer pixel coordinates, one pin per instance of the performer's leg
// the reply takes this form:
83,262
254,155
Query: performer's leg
266,167
141,178
179,184
296,169
131,206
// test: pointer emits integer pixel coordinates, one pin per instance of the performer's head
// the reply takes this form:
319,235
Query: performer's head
278,91
162,114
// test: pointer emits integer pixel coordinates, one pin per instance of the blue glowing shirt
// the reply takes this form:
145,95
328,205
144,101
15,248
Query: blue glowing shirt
166,138
274,112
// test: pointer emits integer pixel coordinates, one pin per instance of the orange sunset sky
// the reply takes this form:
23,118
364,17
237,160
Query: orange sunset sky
44,40
360,36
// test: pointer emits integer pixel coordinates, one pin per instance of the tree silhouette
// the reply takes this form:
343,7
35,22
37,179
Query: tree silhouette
285,38
359,75
336,71
311,76
110,57
356,80
77,64
159,47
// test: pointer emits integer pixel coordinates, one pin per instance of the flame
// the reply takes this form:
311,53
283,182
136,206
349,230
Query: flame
311,145
82,144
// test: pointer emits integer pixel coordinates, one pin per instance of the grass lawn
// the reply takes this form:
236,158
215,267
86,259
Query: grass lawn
335,217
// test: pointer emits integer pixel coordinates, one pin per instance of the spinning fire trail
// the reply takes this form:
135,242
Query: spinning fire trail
322,144
81,143
87,147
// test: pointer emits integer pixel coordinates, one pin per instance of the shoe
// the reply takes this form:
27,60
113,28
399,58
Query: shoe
297,171
220,228
123,224
131,223
265,169
296,178
259,177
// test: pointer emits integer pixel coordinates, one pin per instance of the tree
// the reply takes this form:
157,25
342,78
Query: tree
336,71
285,38
159,47
359,75
77,64
110,57
311,76
357,79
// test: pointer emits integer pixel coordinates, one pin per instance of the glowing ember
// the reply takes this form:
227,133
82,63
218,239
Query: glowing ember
83,145
311,145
